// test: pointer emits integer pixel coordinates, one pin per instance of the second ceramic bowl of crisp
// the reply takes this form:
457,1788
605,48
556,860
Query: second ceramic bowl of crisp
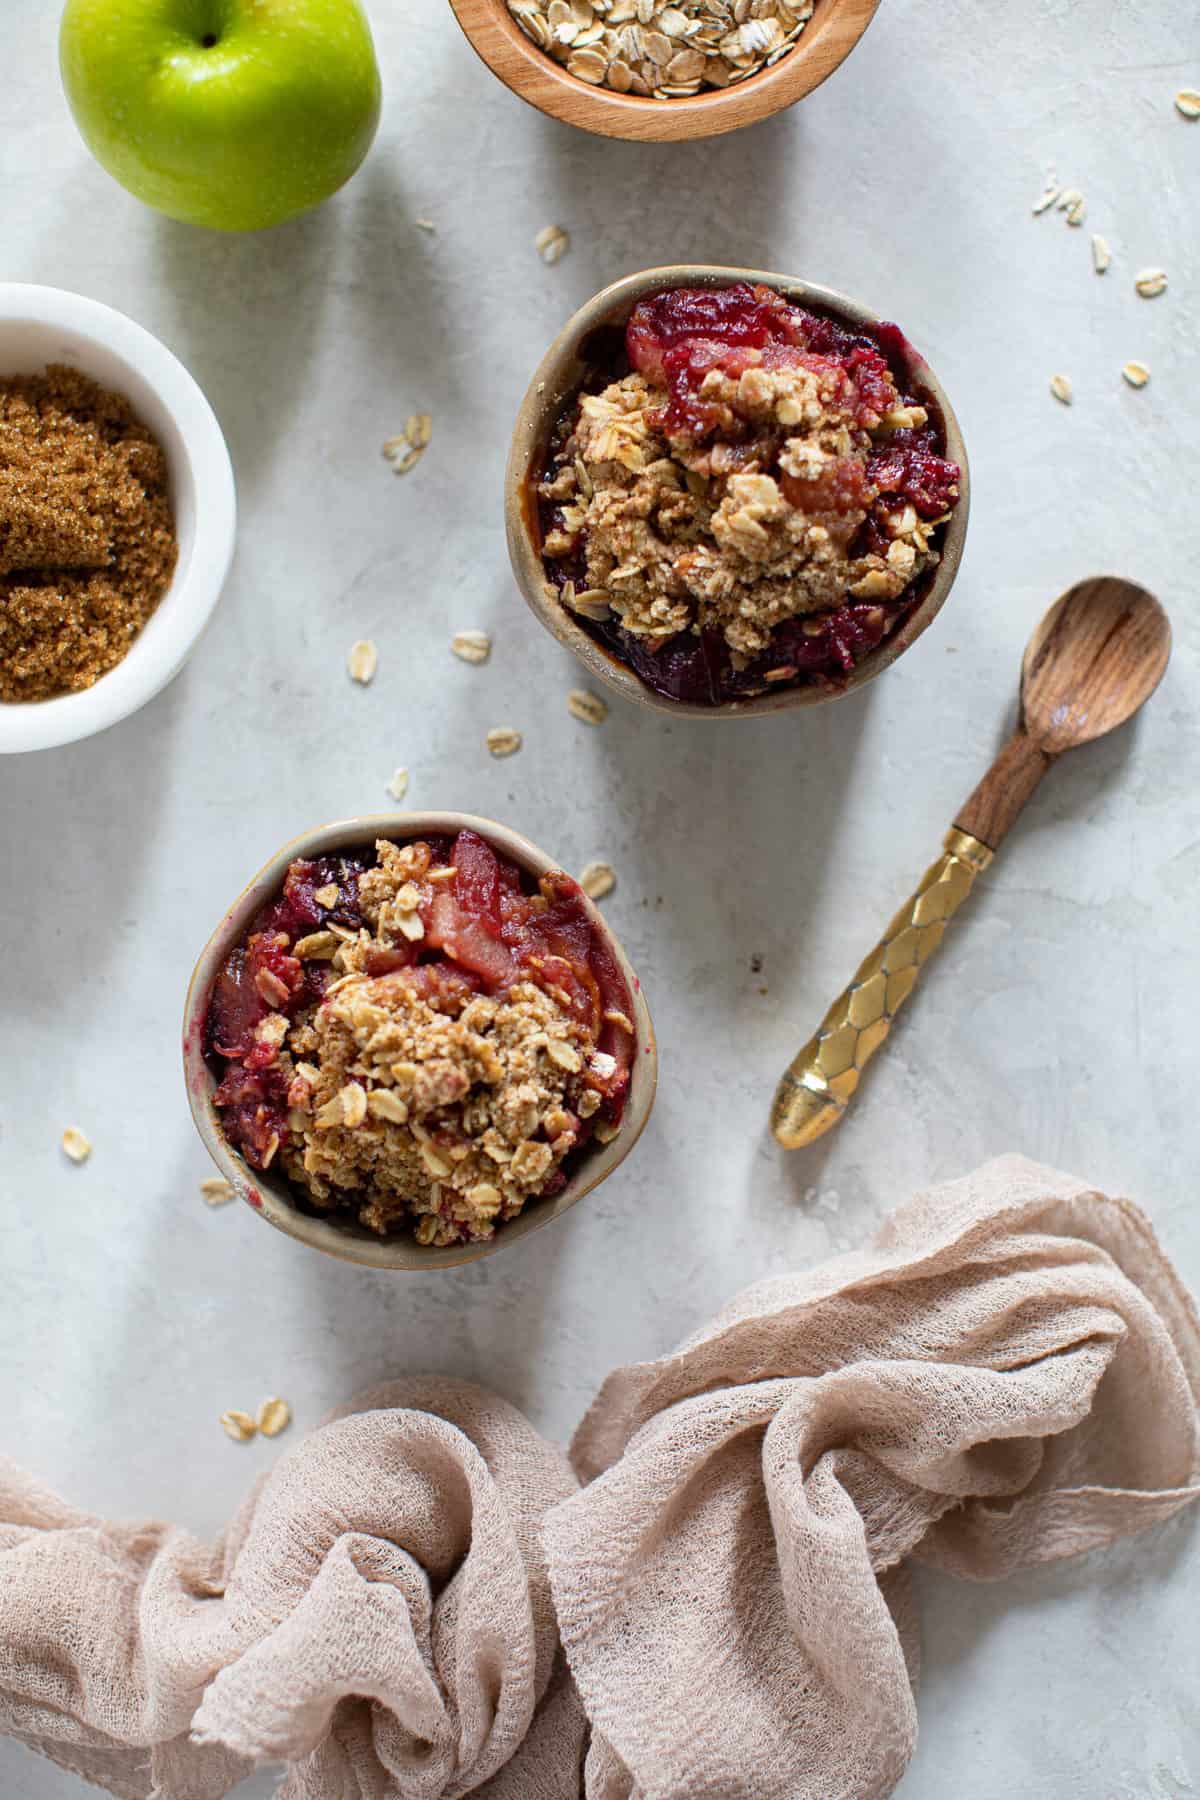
270,1193
557,380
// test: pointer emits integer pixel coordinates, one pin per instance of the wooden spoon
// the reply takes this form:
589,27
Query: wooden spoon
1096,657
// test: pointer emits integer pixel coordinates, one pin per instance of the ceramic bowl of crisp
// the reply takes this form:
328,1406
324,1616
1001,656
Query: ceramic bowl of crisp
412,1040
732,492
41,326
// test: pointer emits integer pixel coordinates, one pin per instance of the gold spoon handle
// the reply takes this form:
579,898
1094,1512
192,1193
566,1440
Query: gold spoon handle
820,1081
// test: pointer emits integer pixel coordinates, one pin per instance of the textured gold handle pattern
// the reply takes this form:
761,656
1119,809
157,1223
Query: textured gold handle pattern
820,1081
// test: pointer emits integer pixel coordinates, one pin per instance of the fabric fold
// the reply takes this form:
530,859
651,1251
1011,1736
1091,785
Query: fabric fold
1009,1374
378,1619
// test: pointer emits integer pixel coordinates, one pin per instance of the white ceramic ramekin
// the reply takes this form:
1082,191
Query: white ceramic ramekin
40,325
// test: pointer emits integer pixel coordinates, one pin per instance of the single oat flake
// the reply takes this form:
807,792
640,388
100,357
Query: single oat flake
405,451
1101,254
1150,283
597,880
1187,102
274,1416
75,1145
1060,387
502,740
239,1426
315,946
471,646
1136,374
362,661
592,603
1046,201
589,708
401,454
397,787
552,242
216,1191
564,1056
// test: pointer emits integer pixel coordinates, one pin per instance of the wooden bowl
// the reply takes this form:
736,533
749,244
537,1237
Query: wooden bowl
827,39
556,381
269,1192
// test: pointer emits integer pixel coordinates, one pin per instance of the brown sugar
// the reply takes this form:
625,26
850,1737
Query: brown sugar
87,540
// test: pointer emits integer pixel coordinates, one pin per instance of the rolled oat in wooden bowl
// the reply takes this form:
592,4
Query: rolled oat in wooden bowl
663,70
731,492
413,1039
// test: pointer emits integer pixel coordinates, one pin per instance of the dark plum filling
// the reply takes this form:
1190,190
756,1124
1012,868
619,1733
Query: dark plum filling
674,338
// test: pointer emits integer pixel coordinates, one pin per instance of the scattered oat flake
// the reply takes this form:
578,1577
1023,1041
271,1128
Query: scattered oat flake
1101,254
239,1426
362,661
552,242
598,879
402,455
502,740
397,787
274,1416
1060,387
1076,212
1150,283
1136,374
405,451
1187,102
590,708
1068,198
471,646
216,1190
1046,201
75,1145
425,225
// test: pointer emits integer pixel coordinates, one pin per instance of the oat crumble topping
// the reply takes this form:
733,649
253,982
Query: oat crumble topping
454,1119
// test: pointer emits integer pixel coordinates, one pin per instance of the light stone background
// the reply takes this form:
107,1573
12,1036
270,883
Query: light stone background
1061,1017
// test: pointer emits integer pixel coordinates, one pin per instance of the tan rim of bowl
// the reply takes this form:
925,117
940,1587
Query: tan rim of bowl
270,1194
827,39
555,383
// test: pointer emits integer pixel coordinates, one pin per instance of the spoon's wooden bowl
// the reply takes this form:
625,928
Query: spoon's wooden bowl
1096,657
827,39
270,1194
557,379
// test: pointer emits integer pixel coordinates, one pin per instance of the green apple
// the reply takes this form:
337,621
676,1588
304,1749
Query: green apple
229,113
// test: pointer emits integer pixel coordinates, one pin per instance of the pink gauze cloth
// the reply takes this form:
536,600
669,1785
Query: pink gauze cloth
1009,1374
